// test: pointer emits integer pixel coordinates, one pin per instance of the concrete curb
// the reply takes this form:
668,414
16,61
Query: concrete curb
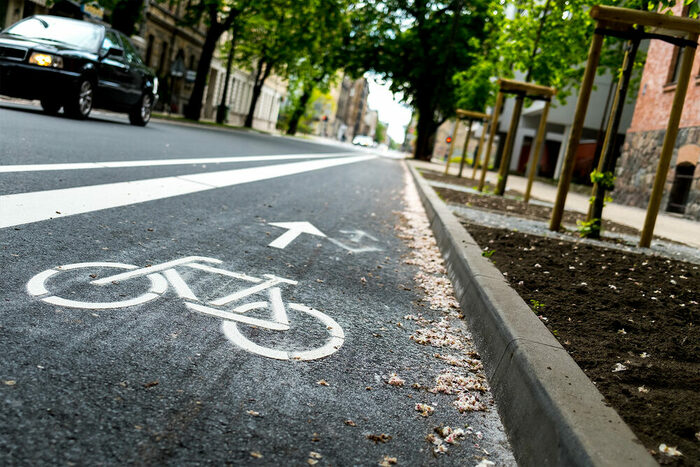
552,412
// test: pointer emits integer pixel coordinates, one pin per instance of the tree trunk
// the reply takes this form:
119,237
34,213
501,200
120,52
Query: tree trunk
125,15
424,140
222,110
257,89
608,159
300,109
194,106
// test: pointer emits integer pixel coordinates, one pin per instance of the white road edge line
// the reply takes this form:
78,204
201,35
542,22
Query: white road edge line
24,208
162,162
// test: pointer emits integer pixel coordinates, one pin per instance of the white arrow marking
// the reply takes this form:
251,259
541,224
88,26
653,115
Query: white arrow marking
295,229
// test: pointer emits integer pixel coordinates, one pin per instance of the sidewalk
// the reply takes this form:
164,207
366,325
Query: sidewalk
671,227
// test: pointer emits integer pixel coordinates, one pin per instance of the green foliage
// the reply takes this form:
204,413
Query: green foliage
605,179
586,228
547,40
488,253
536,305
418,46
475,88
380,132
317,39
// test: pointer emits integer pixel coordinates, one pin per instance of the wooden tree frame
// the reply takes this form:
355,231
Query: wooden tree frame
626,23
470,116
521,90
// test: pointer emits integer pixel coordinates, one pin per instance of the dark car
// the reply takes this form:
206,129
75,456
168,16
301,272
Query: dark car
75,65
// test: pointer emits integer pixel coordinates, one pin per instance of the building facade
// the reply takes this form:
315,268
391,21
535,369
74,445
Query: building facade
637,166
352,110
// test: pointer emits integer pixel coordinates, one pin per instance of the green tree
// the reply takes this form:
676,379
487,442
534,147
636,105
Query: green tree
218,16
324,51
380,132
125,14
418,46
276,41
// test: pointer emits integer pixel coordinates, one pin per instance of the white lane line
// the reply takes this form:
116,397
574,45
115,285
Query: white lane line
23,208
162,162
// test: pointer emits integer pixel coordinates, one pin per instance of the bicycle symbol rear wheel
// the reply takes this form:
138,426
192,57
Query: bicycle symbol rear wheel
37,287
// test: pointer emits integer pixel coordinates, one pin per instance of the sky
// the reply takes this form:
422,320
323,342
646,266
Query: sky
390,110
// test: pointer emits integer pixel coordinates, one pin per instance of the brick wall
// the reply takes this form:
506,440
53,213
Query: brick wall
656,95
637,165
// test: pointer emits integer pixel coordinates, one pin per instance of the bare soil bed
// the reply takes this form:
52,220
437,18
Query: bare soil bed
511,205
629,320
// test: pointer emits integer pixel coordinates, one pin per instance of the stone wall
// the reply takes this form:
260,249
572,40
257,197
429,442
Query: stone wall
637,165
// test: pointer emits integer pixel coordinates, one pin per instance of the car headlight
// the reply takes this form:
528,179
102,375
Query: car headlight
155,86
47,60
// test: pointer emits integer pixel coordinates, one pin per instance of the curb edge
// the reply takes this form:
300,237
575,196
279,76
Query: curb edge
553,414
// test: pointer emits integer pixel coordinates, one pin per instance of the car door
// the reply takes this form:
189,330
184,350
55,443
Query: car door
113,73
135,82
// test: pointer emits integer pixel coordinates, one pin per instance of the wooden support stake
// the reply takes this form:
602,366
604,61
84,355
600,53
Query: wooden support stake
607,155
535,154
452,145
508,148
464,150
669,142
492,133
477,160
576,131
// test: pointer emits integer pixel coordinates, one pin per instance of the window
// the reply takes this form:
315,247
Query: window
675,66
163,57
130,52
111,40
149,49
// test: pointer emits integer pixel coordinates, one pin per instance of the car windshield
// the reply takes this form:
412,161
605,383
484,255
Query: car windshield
72,32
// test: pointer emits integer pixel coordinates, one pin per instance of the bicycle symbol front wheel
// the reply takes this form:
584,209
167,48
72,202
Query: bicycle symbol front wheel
37,286
332,344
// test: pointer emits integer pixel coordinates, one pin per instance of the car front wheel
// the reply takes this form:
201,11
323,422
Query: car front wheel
141,114
80,103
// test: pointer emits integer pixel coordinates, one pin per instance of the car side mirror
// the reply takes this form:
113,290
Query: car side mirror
115,52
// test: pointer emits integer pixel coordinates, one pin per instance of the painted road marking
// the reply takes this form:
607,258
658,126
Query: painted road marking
356,237
36,287
151,269
162,162
24,208
295,229
272,280
337,337
231,318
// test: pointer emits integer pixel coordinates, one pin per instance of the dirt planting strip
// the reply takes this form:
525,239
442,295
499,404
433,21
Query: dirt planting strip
552,412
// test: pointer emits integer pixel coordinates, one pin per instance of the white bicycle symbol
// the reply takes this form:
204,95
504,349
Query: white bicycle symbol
231,319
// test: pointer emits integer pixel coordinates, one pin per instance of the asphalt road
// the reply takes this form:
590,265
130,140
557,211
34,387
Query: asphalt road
261,349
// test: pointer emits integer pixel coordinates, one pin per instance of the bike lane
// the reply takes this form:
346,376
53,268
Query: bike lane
164,381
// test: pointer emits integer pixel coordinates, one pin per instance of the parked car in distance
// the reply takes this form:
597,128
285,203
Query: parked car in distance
76,65
363,140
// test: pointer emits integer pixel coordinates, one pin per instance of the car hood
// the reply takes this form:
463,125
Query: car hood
43,45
